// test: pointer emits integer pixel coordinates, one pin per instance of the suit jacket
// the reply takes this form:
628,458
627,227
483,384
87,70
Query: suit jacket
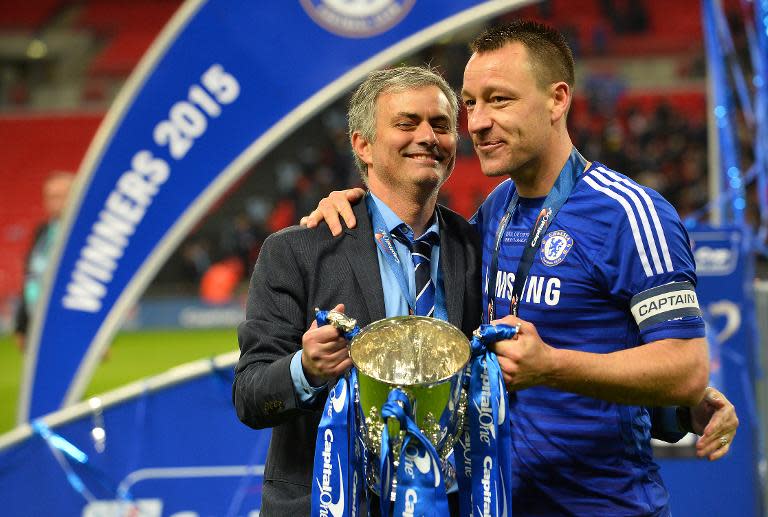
299,269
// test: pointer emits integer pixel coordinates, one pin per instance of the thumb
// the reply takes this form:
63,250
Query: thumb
714,397
339,308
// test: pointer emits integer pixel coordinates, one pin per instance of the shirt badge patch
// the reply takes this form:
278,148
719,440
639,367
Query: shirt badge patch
555,247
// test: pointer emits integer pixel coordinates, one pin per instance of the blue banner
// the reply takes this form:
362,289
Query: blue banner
223,84
724,266
141,450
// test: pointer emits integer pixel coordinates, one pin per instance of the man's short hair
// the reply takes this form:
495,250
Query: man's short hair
549,53
362,106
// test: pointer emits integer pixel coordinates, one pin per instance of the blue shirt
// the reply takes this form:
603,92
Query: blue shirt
611,243
395,304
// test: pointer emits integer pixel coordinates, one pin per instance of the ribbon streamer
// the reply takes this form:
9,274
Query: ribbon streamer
338,466
485,450
420,485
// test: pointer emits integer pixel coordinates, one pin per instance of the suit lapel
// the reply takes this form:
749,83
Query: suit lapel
452,266
360,250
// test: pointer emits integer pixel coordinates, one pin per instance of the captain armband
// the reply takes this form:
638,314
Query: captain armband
663,303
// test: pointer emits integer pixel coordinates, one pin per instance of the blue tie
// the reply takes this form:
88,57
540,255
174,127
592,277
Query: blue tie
421,252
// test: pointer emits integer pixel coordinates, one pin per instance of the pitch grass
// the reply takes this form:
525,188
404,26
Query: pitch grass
132,356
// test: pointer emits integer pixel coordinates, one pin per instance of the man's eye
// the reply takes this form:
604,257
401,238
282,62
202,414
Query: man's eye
498,99
469,103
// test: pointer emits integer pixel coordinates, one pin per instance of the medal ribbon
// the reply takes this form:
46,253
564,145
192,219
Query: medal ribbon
420,484
385,243
562,188
484,452
338,454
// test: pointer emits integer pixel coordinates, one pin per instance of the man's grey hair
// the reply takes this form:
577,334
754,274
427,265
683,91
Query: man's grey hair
362,106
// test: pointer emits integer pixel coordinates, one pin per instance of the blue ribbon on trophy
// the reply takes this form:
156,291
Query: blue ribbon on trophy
420,486
484,451
338,467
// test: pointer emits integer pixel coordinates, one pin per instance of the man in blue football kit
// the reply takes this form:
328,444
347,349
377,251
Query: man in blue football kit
598,273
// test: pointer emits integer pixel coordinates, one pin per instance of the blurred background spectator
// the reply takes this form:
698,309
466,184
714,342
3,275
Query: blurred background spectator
56,189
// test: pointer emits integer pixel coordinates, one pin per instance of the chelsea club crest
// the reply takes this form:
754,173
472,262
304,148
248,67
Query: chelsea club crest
357,18
555,247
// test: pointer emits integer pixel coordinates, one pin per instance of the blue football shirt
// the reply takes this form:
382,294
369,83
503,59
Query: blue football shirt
614,271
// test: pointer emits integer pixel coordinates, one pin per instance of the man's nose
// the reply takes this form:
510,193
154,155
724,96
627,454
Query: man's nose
478,119
426,134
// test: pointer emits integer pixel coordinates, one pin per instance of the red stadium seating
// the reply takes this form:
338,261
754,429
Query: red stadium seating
33,147
129,28
26,14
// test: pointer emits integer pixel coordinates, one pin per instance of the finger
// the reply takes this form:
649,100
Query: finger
337,356
325,336
714,452
355,194
719,453
331,347
344,203
712,393
342,367
506,348
507,320
313,219
714,397
303,221
339,308
330,214
507,380
507,366
714,427
723,421
712,446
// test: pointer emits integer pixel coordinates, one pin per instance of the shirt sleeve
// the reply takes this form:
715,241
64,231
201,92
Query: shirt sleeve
305,391
648,267
665,425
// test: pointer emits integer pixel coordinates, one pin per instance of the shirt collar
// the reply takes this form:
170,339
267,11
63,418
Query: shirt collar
392,221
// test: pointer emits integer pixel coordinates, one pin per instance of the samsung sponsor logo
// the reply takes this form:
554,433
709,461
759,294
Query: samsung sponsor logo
537,289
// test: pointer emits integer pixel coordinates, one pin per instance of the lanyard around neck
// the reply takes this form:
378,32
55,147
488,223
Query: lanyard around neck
384,242
557,196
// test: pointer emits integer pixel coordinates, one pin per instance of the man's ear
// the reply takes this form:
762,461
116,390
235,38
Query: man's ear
560,97
362,148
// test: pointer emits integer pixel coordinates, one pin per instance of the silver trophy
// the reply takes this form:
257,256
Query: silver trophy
426,359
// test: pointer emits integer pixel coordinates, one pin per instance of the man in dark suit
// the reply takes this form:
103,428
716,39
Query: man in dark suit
402,126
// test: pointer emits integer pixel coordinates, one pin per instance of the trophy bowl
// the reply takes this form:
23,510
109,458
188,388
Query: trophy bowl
423,357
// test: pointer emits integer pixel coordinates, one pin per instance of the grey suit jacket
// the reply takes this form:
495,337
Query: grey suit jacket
300,269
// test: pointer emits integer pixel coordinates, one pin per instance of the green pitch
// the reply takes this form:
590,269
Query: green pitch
132,356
